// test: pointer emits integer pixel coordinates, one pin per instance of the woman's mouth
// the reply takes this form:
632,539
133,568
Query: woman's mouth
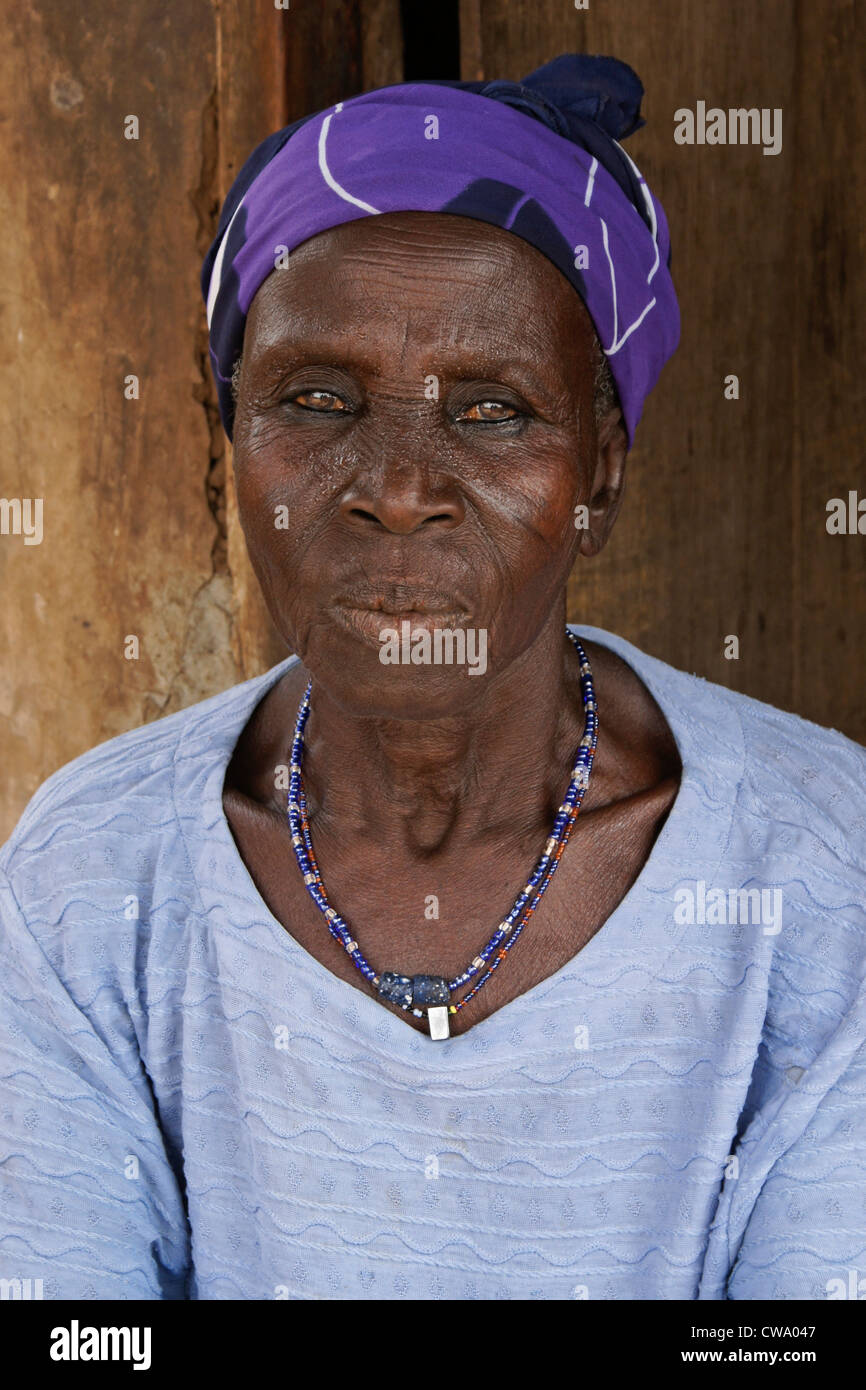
369,624
373,610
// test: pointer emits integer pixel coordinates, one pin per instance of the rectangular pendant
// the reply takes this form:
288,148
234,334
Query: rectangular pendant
438,1021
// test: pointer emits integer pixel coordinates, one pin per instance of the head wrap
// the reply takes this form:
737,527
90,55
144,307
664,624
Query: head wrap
539,158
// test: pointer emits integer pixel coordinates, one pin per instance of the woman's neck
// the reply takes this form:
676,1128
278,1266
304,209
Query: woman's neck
419,787
501,767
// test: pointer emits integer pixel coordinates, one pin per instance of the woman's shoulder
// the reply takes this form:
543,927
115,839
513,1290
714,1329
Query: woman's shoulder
119,800
784,766
803,779
775,835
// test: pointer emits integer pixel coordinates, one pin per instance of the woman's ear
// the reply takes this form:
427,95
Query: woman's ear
608,484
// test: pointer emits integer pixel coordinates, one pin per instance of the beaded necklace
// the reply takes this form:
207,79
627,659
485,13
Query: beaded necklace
432,993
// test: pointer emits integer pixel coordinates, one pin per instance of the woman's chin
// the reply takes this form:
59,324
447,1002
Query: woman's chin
364,688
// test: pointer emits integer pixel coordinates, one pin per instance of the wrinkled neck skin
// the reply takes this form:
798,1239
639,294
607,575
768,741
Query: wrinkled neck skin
419,790
417,784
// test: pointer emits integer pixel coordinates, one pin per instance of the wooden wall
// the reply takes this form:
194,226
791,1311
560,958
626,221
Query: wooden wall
723,531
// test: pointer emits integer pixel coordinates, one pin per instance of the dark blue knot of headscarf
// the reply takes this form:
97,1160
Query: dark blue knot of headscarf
573,89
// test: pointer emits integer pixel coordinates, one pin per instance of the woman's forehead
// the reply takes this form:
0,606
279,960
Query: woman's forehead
424,273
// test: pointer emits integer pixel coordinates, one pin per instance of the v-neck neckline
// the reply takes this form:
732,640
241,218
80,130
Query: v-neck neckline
636,939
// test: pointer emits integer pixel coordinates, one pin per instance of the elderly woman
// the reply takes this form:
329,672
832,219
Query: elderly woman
322,988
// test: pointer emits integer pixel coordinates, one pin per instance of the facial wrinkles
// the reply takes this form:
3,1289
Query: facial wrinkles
393,312
398,428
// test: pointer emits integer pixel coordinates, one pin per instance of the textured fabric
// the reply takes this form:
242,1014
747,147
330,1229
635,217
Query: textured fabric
193,1107
538,158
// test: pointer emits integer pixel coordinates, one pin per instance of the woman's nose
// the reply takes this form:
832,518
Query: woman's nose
402,497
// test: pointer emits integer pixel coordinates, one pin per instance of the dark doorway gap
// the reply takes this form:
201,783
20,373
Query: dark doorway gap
431,39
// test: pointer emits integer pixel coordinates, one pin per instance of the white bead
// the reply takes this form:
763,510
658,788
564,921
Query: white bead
438,1021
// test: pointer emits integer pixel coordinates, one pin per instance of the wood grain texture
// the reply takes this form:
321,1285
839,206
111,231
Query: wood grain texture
828,287
723,529
98,267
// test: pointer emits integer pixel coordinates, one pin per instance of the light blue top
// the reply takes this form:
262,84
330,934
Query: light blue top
194,1107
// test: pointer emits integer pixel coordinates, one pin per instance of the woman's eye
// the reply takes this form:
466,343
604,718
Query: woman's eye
319,400
490,411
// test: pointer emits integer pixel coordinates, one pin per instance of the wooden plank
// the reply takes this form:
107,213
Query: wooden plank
718,533
828,295
98,281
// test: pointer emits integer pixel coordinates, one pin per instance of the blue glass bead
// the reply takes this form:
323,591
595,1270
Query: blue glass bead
397,989
430,990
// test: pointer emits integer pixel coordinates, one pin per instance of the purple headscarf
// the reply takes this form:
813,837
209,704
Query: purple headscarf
539,158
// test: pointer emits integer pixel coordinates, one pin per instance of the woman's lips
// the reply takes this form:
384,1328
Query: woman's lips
398,597
367,608
370,623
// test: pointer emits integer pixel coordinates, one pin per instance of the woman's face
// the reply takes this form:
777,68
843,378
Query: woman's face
414,431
